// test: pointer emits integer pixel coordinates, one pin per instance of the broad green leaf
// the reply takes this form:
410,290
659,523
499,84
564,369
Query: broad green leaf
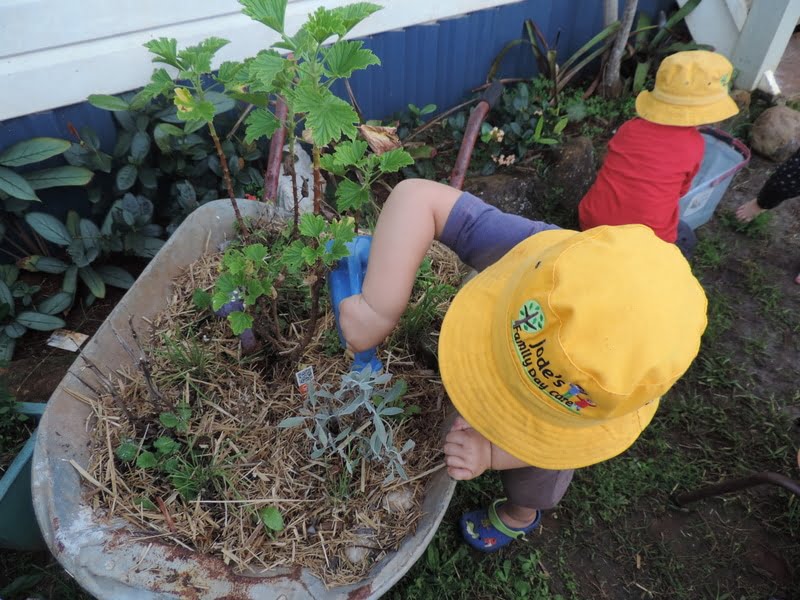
352,14
6,297
161,84
39,322
33,150
218,300
126,177
57,303
140,146
559,127
197,59
230,72
49,228
272,518
15,186
394,160
345,57
201,299
115,276
146,460
322,24
108,102
126,451
291,422
221,102
163,134
293,256
7,346
169,420
329,163
165,50
15,330
145,246
70,283
350,196
43,264
327,116
311,225
93,281
263,69
166,445
239,322
59,176
350,153
255,252
260,123
271,13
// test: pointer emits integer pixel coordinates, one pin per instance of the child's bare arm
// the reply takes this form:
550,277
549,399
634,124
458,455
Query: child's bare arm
414,215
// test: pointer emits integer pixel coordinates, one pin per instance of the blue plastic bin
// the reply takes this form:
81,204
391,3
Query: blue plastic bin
18,527
724,156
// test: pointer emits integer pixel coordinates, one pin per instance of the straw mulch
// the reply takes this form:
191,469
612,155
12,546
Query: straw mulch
336,525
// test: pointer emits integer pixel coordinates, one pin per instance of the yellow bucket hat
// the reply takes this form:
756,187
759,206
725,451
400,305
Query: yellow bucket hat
558,353
691,89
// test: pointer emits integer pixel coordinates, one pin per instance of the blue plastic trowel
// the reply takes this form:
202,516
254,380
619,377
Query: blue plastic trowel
346,280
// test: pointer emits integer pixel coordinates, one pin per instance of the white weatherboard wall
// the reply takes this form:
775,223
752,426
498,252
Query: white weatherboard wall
56,52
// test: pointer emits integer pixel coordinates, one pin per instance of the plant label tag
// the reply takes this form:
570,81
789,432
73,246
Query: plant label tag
303,378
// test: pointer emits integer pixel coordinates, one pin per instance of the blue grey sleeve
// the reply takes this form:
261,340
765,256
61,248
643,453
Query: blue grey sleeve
480,233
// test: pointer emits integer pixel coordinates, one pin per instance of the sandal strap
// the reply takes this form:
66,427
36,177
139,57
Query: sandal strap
498,524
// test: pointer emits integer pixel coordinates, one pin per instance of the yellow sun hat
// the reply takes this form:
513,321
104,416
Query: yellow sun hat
559,352
691,89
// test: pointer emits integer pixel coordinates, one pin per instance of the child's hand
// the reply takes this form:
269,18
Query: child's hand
361,326
467,452
748,211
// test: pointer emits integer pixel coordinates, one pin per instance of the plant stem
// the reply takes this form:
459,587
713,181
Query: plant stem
612,86
312,319
317,180
224,162
293,173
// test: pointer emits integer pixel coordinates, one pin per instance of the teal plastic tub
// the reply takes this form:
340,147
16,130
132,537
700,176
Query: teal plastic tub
18,527
724,156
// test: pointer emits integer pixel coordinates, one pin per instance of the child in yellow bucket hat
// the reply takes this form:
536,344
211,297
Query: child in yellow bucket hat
653,159
555,354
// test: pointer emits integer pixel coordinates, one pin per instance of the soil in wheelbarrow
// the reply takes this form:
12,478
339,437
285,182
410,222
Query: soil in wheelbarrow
189,449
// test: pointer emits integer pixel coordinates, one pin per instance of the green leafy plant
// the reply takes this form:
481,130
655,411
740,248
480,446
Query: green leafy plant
13,424
20,312
353,422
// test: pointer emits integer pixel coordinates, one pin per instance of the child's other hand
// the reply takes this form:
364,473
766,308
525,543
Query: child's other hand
467,453
748,211
361,326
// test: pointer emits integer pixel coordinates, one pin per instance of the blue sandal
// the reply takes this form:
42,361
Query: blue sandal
484,531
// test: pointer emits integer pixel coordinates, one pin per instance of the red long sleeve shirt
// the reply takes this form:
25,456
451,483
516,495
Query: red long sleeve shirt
649,167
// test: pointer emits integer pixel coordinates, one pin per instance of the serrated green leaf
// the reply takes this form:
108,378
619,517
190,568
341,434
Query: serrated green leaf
39,321
169,420
260,123
352,14
322,24
201,299
146,460
329,163
33,150
263,69
108,102
218,300
293,256
197,59
191,108
161,84
126,177
115,276
239,322
271,13
350,196
345,57
328,117
16,186
165,50
311,225
93,281
126,451
271,517
350,152
59,177
57,303
49,228
255,252
394,160
309,255
166,445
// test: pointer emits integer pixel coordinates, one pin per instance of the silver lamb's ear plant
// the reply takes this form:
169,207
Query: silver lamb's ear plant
352,422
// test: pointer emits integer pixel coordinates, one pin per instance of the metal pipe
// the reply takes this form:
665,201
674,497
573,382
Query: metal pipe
734,485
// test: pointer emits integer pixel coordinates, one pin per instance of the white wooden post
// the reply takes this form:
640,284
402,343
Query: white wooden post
763,39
